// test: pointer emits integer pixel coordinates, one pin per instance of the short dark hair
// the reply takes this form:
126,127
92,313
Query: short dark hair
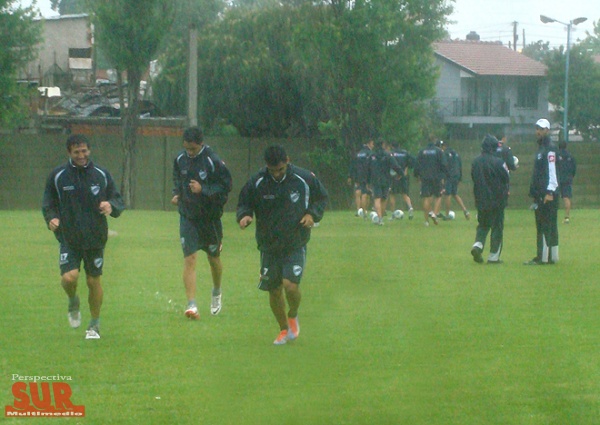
275,155
194,135
76,140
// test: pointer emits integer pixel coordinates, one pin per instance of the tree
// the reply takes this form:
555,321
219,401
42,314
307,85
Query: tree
19,35
130,33
584,88
69,7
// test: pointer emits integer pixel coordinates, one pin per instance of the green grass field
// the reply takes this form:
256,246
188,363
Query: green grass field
399,326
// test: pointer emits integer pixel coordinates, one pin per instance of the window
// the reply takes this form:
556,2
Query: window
527,93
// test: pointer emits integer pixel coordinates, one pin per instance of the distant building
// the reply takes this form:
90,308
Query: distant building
487,87
64,55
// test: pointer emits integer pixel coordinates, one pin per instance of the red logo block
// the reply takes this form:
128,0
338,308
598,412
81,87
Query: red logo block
43,399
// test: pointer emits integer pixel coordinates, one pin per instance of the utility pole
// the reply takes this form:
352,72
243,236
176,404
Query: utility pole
515,36
524,44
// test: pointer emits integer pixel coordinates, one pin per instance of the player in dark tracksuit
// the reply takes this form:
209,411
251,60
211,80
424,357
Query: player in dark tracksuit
401,182
490,188
362,171
431,169
567,167
453,178
287,201
77,199
382,162
544,191
201,184
504,152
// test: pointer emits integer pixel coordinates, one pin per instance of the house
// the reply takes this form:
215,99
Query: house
64,55
486,87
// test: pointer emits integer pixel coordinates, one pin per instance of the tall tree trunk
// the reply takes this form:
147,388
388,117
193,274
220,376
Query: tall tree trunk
130,126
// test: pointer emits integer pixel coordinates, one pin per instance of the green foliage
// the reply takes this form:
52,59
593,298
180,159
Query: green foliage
584,88
282,69
70,7
19,35
398,326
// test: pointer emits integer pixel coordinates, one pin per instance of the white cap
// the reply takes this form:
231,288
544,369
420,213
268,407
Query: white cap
543,123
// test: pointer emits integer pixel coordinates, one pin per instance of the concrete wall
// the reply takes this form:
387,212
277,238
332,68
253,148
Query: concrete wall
58,36
27,159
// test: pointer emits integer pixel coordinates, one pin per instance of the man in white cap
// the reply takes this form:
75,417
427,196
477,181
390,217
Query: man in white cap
544,191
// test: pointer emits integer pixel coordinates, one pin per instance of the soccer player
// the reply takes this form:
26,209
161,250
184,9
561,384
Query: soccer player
77,199
544,191
287,201
362,174
453,178
401,182
431,169
202,183
567,167
490,188
382,163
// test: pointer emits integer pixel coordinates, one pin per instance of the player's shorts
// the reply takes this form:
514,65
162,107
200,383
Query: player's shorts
381,191
275,267
566,190
201,234
431,188
70,259
451,187
364,190
399,186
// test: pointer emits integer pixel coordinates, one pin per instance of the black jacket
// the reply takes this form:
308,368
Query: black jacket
279,207
73,195
207,169
490,181
454,165
431,163
362,165
567,167
382,163
544,179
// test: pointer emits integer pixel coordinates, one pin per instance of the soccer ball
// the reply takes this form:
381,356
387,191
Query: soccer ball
398,214
451,215
516,161
374,217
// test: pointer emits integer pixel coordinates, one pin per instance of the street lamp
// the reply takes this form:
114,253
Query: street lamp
548,20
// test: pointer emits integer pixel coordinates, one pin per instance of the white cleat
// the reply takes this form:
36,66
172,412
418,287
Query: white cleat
215,305
74,318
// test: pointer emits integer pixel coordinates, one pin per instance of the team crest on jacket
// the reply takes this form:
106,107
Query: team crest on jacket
294,196
95,189
202,174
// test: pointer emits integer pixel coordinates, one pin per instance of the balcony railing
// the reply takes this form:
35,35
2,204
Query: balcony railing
464,107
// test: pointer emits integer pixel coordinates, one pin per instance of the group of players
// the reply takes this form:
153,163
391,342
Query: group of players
380,172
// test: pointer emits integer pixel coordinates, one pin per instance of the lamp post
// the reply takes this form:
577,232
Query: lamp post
548,20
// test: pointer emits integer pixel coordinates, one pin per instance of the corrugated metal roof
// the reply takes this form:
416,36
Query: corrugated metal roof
482,58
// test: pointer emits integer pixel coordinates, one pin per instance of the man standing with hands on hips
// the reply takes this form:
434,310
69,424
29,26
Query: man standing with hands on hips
544,191
287,202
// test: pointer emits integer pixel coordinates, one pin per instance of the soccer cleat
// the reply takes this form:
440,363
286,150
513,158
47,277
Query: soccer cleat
215,305
467,214
294,328
433,217
426,224
566,220
74,318
92,333
534,262
410,213
476,253
192,312
282,338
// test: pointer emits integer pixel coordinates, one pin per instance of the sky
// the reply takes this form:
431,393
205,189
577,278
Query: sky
493,19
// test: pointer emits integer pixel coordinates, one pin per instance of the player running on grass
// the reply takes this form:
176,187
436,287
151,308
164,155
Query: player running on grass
202,183
287,201
77,199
